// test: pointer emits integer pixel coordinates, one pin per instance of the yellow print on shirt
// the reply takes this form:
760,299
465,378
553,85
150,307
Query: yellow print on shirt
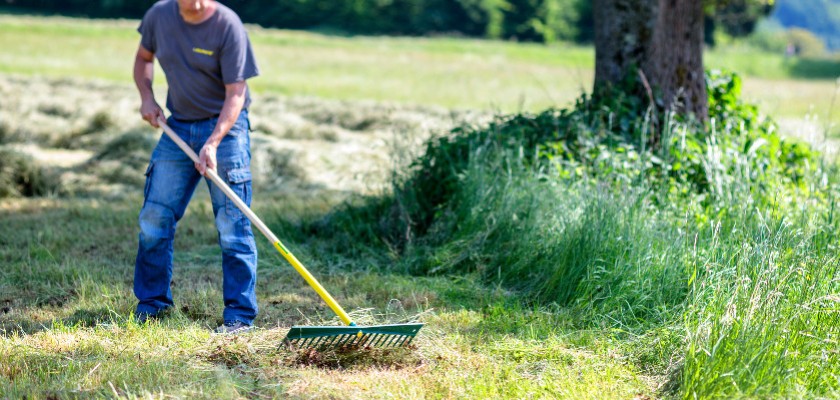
202,51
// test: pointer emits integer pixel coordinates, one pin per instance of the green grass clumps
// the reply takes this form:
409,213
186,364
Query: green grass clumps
710,250
132,148
20,175
92,134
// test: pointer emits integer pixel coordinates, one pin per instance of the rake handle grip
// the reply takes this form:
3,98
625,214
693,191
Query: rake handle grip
256,221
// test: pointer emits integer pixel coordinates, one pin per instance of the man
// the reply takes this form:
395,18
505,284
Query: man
206,56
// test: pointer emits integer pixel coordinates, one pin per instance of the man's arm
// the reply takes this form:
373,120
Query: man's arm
234,100
144,69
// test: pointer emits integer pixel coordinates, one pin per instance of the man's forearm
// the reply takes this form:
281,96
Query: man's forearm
234,100
143,76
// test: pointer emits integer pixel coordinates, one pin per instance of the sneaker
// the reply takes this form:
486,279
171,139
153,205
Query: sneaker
233,327
142,317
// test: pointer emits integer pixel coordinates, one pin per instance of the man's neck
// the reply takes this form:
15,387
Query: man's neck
195,17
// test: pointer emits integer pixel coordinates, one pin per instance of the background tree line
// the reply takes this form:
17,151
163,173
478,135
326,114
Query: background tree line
525,20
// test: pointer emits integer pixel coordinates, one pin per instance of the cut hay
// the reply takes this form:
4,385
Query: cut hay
21,175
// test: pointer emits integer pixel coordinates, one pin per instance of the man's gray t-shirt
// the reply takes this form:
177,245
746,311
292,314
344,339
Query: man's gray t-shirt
199,59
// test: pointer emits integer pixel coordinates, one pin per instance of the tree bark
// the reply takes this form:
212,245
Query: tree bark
661,38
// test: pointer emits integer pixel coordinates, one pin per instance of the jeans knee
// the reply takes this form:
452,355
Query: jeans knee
156,223
235,233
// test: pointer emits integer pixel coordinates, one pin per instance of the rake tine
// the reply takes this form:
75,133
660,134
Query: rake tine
354,340
410,338
340,339
381,340
344,340
329,342
404,341
395,341
389,341
317,342
324,341
367,340
374,340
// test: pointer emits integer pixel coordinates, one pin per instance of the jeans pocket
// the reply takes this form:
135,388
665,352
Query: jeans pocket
239,180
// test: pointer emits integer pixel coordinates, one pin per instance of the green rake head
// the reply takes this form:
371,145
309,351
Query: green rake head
351,337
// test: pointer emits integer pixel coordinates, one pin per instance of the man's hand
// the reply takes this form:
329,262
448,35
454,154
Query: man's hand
206,158
234,99
151,111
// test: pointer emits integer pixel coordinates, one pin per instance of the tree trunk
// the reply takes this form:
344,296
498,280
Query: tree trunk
663,39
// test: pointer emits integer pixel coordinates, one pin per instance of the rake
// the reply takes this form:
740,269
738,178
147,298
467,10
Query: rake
315,337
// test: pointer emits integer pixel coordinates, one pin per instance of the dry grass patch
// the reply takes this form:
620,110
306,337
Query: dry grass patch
92,134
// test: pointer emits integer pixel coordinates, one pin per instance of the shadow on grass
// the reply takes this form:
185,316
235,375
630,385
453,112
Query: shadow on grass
337,359
88,318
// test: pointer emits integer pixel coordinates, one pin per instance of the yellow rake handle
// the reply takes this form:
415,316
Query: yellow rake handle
214,177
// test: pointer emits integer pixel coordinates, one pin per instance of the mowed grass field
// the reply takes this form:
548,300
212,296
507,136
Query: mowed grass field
66,329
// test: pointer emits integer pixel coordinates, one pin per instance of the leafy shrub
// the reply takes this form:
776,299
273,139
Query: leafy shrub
618,139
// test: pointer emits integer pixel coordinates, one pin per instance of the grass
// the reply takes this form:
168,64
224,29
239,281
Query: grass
529,285
66,329
724,285
66,299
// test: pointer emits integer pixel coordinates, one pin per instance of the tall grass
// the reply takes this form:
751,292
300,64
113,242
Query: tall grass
764,319
572,244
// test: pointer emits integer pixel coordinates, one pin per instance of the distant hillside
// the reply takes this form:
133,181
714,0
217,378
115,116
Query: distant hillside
819,16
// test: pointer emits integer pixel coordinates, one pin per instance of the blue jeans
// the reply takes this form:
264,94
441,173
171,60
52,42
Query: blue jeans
171,179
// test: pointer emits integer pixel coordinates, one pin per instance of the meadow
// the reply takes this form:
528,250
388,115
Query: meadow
574,278
66,323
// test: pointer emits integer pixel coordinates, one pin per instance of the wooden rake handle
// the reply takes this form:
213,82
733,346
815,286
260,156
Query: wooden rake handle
256,221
